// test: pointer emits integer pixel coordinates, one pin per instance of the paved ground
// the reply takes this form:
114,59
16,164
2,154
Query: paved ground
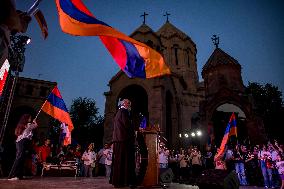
72,183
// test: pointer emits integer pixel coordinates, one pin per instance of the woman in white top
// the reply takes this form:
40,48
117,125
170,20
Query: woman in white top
89,158
24,133
280,167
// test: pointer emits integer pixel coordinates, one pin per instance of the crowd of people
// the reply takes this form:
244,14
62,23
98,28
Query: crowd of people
256,165
31,156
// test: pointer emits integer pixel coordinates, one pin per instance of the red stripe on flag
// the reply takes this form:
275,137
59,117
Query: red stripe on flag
56,92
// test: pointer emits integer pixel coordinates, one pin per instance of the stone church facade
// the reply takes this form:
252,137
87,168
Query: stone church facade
179,102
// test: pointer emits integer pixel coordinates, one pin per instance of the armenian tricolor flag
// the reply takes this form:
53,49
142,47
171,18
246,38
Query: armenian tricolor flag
135,58
231,130
56,108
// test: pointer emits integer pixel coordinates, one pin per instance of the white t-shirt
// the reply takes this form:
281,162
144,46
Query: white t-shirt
108,156
89,157
163,157
28,132
280,166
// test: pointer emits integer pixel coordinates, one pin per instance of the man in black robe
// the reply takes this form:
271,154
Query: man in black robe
123,164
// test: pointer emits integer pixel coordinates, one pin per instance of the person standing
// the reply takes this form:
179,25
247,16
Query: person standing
24,133
89,157
280,167
264,156
108,159
239,165
123,163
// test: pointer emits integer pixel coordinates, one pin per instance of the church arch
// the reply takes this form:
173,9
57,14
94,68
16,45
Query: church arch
139,101
220,118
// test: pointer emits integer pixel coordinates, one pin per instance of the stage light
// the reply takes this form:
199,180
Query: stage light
198,133
28,41
186,135
179,135
193,134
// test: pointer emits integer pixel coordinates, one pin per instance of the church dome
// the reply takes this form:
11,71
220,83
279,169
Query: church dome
168,30
218,58
143,29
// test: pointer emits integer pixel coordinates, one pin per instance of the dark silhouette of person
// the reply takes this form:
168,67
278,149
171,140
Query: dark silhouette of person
123,163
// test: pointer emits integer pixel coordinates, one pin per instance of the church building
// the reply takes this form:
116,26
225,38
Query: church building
180,103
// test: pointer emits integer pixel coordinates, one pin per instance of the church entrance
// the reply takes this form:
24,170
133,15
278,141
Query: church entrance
139,102
220,119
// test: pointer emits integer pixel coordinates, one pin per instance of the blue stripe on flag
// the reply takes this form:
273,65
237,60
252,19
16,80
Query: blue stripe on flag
57,102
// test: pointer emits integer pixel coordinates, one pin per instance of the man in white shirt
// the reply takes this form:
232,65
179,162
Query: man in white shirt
108,159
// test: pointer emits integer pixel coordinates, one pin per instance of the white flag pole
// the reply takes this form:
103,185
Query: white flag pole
33,8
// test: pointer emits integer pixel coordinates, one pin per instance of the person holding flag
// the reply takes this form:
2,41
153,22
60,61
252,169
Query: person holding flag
231,130
24,133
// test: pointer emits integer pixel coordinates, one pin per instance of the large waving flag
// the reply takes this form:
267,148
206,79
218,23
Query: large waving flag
4,70
135,58
56,108
231,130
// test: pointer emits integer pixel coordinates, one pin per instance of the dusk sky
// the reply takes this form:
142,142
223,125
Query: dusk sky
250,31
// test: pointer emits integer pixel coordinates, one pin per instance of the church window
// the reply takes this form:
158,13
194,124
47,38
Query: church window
176,53
188,57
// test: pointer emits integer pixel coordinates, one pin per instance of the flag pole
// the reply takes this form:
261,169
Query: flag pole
39,110
33,8
43,104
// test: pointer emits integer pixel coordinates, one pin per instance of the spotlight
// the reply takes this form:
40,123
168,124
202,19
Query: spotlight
186,135
193,134
179,135
198,133
28,41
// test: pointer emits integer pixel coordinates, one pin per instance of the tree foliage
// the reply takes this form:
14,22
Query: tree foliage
84,112
268,104
88,124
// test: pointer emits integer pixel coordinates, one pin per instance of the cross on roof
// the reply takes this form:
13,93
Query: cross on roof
167,15
215,40
144,15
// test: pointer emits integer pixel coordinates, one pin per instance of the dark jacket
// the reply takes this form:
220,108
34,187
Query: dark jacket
122,128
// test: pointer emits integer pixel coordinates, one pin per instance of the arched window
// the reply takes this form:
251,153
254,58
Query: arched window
176,47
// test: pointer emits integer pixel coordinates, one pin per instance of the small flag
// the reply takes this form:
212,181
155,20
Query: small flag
230,131
56,108
135,58
3,75
42,23
143,123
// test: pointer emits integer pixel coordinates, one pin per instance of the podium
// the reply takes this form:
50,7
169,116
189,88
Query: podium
151,177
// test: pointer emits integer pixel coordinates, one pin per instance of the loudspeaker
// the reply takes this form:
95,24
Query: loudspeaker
218,179
166,175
